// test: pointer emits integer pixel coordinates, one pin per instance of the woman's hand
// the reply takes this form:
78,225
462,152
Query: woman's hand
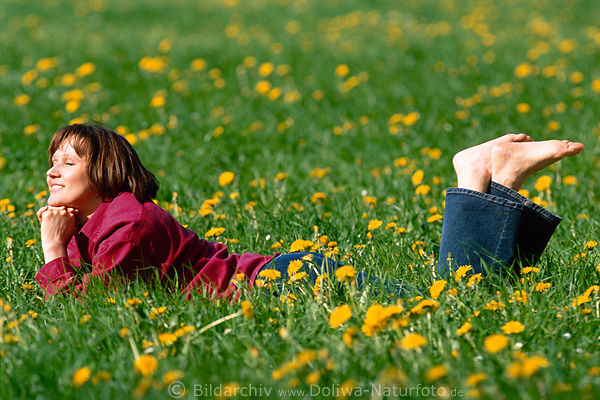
58,225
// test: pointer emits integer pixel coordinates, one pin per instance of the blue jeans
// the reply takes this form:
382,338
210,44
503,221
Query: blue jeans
492,231
488,231
321,264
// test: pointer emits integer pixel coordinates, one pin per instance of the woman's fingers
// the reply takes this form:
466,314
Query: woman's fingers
40,212
61,210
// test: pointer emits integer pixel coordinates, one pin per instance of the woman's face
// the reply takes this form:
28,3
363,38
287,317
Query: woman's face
68,181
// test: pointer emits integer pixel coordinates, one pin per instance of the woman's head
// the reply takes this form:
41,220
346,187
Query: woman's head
112,164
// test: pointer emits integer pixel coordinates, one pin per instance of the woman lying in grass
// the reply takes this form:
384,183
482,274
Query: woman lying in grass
100,220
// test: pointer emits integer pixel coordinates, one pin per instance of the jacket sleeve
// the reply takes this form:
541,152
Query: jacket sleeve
115,253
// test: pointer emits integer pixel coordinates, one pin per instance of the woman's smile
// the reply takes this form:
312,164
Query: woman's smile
68,181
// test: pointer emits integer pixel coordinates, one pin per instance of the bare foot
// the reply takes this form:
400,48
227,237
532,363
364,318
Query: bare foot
473,165
513,163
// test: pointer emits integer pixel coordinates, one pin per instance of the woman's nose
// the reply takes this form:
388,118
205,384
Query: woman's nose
53,171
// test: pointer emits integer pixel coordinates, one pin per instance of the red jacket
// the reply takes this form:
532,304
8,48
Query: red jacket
140,240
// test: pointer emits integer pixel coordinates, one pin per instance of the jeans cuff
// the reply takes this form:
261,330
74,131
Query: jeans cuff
486,196
499,190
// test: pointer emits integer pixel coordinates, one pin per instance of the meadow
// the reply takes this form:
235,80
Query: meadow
302,124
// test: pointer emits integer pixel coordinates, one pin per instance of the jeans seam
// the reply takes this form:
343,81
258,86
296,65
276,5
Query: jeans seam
520,199
485,196
502,238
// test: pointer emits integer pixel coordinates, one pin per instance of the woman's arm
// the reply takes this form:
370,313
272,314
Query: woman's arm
58,225
120,249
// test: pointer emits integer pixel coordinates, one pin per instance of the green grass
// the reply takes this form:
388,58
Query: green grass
453,62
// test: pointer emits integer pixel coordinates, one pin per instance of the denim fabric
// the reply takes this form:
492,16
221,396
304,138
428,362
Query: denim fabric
493,230
321,264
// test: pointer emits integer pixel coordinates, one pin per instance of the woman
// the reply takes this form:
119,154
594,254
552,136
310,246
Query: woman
100,214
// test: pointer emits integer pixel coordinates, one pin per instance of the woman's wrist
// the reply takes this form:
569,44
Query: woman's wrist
53,252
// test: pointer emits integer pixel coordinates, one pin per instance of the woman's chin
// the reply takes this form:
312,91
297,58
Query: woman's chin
56,202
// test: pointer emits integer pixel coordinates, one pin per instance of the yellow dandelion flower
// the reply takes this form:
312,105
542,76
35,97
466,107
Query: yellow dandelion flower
340,315
519,296
318,283
436,372
374,224
101,376
592,289
265,69
171,376
494,343
523,108
435,217
226,178
153,64
270,274
45,64
146,364
422,190
594,371
417,177
198,64
294,266
157,311
566,45
319,172
342,70
553,125
81,376
494,305
461,272
85,69
476,379
437,288
413,341
319,196
411,118
474,279
370,200
31,129
526,367
542,286
158,101
167,338
300,245
134,301
71,106
214,232
247,309
345,273
523,70
424,306
263,87
464,328
313,378
513,327
348,336
21,100
543,183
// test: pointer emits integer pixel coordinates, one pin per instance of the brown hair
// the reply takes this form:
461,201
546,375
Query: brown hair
114,166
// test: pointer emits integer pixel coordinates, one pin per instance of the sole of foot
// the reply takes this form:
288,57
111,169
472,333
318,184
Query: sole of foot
512,163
